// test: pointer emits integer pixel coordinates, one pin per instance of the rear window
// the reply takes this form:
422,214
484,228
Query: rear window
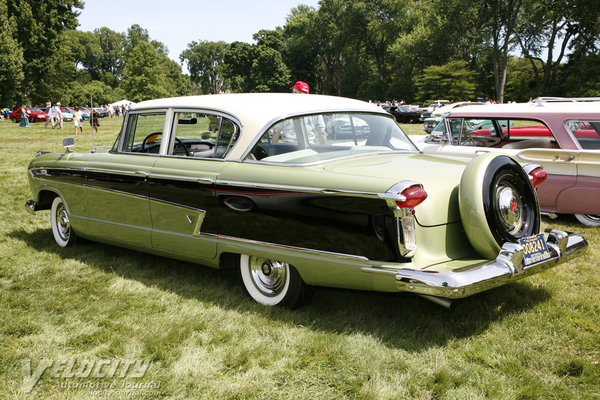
312,138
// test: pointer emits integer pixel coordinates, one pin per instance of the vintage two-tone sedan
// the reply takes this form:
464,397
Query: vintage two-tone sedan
301,190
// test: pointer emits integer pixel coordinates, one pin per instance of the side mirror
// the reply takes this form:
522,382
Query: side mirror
68,143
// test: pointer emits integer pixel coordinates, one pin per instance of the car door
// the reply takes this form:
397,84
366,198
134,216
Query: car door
182,183
117,204
582,198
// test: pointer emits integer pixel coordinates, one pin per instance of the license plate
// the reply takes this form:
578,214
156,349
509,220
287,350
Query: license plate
535,249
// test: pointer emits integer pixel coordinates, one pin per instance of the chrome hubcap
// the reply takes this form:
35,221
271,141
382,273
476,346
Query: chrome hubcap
62,223
268,276
510,208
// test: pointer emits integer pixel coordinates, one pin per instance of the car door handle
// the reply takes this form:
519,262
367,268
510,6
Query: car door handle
569,157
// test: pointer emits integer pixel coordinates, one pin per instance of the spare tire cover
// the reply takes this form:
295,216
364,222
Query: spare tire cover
498,203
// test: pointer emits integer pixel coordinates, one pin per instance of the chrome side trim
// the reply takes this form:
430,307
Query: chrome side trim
289,248
297,188
181,178
507,267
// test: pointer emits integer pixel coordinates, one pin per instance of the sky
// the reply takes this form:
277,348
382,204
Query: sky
179,22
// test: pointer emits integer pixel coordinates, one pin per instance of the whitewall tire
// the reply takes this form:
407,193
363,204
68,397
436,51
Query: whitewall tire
588,219
271,282
61,224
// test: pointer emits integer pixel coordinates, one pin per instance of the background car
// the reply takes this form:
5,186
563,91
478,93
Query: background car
563,137
36,114
435,116
102,112
405,113
281,195
67,113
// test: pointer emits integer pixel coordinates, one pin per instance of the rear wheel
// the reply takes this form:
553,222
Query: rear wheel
273,283
588,219
61,224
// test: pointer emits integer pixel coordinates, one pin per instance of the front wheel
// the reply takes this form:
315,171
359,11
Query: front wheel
61,224
588,219
272,283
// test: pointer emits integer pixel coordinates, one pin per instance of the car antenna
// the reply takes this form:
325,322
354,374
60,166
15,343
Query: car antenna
91,119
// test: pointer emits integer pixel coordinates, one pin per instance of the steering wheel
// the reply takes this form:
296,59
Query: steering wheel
179,143
151,138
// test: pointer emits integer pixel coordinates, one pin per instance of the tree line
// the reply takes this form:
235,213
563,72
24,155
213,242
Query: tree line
412,50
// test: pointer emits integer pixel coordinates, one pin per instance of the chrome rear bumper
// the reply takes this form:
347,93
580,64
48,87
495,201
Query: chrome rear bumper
507,267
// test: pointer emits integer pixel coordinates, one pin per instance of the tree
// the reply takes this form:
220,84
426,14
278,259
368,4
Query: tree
144,74
112,45
549,28
268,72
38,28
238,59
452,80
205,61
11,60
300,55
501,18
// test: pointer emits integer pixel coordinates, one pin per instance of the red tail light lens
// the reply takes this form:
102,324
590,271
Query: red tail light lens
537,176
413,196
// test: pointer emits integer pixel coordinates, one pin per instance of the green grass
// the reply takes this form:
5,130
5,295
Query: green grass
536,339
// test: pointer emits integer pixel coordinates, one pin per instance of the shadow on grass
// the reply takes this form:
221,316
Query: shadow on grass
398,320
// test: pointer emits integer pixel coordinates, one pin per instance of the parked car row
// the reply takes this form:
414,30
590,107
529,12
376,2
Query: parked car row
39,114
294,191
563,137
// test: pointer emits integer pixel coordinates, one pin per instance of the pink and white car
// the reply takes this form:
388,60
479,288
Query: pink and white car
562,136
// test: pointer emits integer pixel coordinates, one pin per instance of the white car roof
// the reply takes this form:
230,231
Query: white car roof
262,107
531,110
255,110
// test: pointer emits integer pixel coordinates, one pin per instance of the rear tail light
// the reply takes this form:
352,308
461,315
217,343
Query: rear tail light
537,176
412,196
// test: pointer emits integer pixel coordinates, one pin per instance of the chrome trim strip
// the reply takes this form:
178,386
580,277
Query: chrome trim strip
296,188
291,248
182,178
507,267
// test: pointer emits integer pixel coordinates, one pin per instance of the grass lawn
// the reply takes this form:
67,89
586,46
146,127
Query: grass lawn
87,310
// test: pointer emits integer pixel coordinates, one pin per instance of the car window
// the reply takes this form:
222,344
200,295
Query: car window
203,135
500,133
587,133
143,133
311,138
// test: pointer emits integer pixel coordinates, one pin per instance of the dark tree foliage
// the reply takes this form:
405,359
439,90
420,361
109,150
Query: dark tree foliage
39,25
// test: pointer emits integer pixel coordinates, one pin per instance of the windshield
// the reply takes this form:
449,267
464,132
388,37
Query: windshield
317,137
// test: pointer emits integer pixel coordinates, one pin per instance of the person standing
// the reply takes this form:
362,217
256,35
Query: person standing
315,126
58,117
77,120
94,123
49,115
24,117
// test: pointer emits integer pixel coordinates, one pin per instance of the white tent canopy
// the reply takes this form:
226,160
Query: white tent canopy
123,102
